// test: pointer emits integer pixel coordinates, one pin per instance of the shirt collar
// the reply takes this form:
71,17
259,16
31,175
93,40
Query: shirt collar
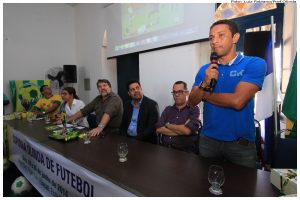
175,107
74,101
139,102
108,95
49,97
236,59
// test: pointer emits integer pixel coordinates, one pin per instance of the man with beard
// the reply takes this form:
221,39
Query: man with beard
108,107
179,123
228,130
140,114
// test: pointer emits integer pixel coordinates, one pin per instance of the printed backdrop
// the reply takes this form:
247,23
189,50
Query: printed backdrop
25,93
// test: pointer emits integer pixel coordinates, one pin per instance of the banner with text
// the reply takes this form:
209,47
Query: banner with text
54,175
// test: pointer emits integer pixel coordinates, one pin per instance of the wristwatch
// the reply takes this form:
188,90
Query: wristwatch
101,126
201,86
206,88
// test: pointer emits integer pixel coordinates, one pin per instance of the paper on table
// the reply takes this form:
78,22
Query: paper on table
50,128
68,125
79,127
39,118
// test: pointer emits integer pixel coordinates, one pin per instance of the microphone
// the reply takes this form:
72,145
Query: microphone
213,60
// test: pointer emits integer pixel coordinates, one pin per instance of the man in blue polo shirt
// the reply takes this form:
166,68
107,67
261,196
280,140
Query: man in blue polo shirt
228,129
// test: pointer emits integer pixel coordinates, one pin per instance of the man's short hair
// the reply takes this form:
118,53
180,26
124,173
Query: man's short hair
233,27
103,81
42,88
132,81
181,82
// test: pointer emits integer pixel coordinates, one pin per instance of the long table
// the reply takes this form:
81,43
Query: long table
151,170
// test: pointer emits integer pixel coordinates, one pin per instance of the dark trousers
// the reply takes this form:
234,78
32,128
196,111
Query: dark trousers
184,143
240,152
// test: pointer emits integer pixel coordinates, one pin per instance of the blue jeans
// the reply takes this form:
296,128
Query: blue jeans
240,152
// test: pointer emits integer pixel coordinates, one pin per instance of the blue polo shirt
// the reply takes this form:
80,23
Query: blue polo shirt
228,124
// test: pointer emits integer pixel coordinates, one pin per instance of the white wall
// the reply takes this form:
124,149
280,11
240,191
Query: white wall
91,56
36,38
159,70
40,36
289,42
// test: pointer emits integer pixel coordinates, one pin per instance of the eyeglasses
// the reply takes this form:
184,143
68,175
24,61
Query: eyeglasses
180,92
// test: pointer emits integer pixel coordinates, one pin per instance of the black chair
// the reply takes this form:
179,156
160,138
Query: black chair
285,153
198,140
258,143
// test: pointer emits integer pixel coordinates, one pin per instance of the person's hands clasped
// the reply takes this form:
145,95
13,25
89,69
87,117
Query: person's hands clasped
96,131
210,73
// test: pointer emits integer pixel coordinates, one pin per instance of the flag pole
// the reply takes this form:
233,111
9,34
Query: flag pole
274,75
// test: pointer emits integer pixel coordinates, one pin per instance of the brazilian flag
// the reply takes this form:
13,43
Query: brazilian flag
25,93
289,107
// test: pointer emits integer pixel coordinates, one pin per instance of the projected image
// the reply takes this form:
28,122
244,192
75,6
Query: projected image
138,27
139,19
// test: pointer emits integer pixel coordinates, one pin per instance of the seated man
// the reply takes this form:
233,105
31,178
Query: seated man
179,124
140,114
108,107
49,104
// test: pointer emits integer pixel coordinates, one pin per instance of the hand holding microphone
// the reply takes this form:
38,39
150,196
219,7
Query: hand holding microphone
212,71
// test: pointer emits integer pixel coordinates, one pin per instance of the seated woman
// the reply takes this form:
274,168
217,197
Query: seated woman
72,104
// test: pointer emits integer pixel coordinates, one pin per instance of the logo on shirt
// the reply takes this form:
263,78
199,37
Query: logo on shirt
235,73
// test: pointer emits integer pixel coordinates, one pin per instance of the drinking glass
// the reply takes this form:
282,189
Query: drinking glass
47,119
18,115
34,116
122,151
29,114
24,115
74,123
29,119
87,138
216,178
58,119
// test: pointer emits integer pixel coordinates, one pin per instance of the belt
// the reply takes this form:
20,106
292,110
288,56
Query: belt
243,141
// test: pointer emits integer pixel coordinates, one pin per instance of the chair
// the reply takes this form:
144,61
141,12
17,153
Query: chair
197,150
285,153
258,143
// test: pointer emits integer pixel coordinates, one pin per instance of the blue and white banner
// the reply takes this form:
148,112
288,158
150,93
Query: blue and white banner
54,175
